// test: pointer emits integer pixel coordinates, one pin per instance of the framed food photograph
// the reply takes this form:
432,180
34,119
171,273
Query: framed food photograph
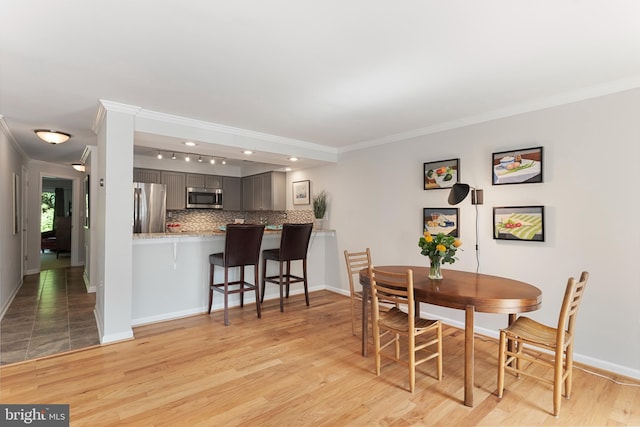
524,223
441,174
441,220
517,166
301,190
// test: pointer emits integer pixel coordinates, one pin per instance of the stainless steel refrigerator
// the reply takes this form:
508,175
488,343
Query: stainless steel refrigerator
149,207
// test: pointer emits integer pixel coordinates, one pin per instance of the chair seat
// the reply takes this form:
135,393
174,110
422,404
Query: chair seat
273,254
217,259
398,320
532,331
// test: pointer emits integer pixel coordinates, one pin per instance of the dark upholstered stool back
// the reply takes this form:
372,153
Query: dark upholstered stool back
295,241
242,244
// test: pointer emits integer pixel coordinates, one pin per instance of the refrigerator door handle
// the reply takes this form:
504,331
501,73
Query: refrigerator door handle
137,228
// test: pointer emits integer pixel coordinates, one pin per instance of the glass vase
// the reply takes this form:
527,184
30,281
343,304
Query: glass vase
434,269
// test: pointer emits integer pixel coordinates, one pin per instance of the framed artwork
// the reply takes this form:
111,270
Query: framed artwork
517,166
301,192
86,202
440,220
519,223
15,186
441,174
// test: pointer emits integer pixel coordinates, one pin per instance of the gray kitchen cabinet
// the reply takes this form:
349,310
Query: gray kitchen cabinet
198,180
176,189
146,175
232,193
195,180
213,181
247,193
264,192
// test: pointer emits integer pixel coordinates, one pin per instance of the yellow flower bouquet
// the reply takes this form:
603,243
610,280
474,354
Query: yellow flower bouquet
440,249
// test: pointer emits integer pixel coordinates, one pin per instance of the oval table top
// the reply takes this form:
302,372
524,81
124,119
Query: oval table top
459,289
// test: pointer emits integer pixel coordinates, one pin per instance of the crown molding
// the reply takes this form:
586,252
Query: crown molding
104,106
5,129
540,104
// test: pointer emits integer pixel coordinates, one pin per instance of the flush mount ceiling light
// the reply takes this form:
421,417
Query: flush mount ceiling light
190,144
247,152
293,159
78,166
52,136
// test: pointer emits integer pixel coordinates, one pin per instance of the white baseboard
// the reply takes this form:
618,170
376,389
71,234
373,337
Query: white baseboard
7,304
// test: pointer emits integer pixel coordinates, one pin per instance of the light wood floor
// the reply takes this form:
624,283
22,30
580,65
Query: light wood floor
297,368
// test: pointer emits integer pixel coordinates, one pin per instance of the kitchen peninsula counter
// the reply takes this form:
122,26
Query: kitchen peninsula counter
171,272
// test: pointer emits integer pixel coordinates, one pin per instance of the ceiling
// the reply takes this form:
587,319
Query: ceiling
330,75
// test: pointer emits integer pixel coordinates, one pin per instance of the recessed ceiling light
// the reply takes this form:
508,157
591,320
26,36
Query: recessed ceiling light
293,159
190,143
248,152
287,169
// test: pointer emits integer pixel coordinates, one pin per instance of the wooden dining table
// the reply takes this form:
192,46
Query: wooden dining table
466,291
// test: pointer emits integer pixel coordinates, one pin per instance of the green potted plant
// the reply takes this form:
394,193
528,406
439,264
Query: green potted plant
319,207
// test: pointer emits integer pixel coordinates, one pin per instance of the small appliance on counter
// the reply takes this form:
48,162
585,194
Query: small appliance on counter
149,207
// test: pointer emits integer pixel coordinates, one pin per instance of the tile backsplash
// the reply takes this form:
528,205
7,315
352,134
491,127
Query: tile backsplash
196,220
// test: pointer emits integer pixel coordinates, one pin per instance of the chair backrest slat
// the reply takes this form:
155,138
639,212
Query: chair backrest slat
394,288
571,303
356,261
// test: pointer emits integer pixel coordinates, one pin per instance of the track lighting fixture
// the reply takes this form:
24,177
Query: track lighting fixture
173,156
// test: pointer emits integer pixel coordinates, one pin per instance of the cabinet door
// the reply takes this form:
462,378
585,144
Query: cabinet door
146,175
213,181
247,193
176,190
231,193
195,180
278,197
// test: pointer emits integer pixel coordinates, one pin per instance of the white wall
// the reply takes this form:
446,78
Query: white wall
11,161
590,193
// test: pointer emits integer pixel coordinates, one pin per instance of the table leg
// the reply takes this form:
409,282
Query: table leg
510,343
365,319
468,355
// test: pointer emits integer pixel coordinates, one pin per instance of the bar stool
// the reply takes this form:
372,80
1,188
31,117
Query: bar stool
241,249
293,247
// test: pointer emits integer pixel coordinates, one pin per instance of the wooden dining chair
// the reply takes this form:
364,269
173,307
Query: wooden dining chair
356,261
558,341
389,325
241,249
294,245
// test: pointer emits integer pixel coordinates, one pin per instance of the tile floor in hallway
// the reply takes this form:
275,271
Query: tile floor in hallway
51,313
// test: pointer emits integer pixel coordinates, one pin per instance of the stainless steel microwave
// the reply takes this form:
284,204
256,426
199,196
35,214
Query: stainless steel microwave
204,198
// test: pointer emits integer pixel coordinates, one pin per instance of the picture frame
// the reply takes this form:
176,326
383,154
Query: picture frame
521,166
441,220
524,223
441,174
301,192
15,199
87,209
